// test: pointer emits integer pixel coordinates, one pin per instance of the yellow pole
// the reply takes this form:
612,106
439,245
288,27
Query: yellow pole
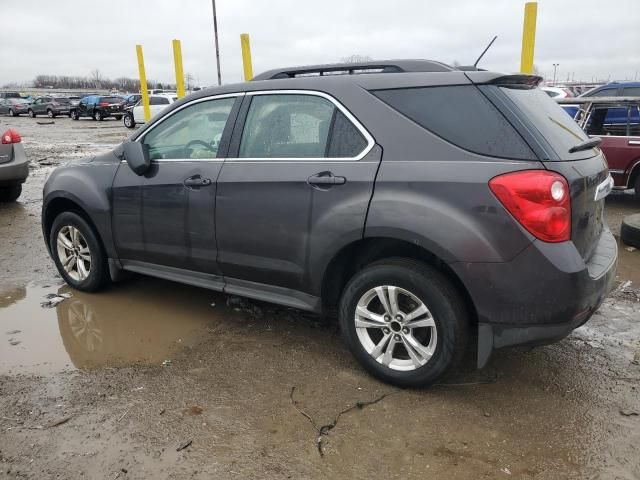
528,37
246,56
177,60
143,84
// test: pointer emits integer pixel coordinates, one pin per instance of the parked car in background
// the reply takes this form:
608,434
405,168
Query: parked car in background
485,228
14,166
49,106
615,89
157,103
10,95
556,92
98,107
131,100
73,101
13,106
617,122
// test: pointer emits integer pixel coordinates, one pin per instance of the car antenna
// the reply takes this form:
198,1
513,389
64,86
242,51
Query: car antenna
485,51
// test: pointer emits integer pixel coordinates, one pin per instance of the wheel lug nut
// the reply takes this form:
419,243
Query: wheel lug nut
399,317
397,337
387,318
405,330
385,330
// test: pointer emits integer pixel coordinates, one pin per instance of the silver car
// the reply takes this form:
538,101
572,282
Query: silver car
14,166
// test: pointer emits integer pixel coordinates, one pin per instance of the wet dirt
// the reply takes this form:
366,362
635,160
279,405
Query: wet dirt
98,362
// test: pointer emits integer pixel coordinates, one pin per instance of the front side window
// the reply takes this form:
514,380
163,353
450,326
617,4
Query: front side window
191,133
298,126
631,92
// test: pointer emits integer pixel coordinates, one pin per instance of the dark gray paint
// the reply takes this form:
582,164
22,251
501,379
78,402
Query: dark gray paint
266,233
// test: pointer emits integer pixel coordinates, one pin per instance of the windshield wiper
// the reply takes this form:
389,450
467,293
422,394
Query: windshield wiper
586,145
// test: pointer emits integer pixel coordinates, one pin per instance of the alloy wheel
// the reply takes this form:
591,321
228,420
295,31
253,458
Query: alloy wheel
395,328
74,253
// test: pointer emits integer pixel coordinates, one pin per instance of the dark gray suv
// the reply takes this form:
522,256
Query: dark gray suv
437,211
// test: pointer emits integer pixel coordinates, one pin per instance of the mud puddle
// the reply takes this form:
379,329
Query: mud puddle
143,321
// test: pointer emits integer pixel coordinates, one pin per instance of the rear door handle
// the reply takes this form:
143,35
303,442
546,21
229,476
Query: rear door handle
634,142
325,179
197,181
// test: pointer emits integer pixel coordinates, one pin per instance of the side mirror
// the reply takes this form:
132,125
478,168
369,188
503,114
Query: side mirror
137,156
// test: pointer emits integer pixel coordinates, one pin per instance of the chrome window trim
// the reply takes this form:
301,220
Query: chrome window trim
141,137
370,140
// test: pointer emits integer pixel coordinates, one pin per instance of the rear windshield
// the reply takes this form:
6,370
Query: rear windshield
111,99
555,125
64,101
16,101
461,115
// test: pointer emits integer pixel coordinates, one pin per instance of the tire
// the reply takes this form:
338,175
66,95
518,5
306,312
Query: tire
97,276
74,115
10,193
12,113
449,321
630,230
31,113
98,116
118,117
129,121
50,114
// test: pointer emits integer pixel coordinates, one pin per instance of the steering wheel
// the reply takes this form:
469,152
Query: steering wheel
206,145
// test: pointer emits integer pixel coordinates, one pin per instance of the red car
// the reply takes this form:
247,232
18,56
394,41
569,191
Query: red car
617,122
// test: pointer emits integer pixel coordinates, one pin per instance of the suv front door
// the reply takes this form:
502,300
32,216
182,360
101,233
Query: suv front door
175,198
296,184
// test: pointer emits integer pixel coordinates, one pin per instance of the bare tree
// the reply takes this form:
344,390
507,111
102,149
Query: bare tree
188,79
356,59
97,77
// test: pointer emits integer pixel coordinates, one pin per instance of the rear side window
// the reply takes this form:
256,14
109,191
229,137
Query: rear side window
631,92
298,126
110,99
461,115
604,92
158,101
617,121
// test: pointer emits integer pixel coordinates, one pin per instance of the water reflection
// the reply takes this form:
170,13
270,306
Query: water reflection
140,321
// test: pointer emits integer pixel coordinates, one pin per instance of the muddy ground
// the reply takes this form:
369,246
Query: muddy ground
112,385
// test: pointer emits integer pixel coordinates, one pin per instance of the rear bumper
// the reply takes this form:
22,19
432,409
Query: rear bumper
15,171
539,297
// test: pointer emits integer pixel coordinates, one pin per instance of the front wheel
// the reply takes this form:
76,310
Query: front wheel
11,193
98,116
405,322
77,253
50,114
118,117
31,113
12,113
74,115
129,122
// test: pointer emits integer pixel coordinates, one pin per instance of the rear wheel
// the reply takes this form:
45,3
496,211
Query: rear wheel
12,113
129,122
77,253
31,113
98,116
10,193
74,115
404,321
50,113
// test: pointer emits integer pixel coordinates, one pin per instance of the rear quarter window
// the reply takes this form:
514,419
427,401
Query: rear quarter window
461,115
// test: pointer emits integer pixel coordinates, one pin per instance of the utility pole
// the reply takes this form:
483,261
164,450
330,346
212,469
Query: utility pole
555,68
215,34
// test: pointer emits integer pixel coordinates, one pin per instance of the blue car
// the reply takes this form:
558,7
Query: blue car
615,116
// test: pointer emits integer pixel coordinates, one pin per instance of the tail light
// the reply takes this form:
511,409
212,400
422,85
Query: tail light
104,104
11,136
539,200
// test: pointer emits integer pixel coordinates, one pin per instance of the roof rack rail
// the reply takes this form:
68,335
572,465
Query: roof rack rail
383,66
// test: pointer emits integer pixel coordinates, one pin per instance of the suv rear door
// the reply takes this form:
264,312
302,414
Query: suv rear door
296,183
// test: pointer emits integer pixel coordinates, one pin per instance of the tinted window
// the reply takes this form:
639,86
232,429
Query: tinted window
111,99
298,126
631,92
614,121
63,101
461,115
557,127
604,92
286,126
551,94
158,101
191,133
346,139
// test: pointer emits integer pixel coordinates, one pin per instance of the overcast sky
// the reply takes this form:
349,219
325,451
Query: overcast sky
72,37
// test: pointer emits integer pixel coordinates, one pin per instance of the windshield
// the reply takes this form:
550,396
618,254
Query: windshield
111,99
557,127
16,101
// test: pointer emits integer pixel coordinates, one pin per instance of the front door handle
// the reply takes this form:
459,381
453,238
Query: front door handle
325,180
634,142
197,181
